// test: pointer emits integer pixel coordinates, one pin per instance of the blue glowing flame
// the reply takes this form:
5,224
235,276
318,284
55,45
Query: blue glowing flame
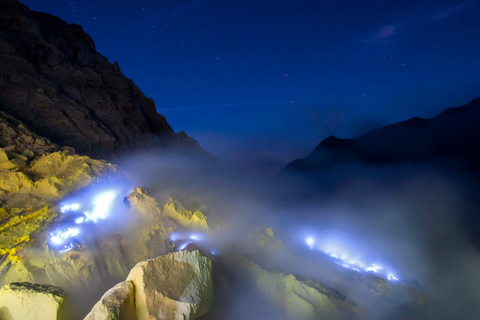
59,237
101,204
70,207
196,237
185,238
183,246
346,259
79,212
310,241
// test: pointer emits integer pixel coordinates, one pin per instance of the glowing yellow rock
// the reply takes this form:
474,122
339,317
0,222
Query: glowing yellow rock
186,218
49,178
140,202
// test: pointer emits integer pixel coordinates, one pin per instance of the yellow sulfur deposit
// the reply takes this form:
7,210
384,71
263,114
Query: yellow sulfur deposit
19,228
186,218
49,178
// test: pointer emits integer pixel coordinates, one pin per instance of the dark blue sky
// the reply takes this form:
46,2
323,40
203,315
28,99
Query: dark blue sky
260,83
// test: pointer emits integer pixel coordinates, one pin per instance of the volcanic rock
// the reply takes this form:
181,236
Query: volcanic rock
299,298
20,142
3,156
54,81
265,240
184,217
151,229
117,303
176,286
48,178
23,300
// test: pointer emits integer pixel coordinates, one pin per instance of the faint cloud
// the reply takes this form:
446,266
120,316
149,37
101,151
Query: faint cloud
379,43
382,35
445,13
450,11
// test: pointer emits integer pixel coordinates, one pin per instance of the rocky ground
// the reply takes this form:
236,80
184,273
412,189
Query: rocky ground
36,175
81,238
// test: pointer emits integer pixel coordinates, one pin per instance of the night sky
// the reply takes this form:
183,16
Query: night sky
260,83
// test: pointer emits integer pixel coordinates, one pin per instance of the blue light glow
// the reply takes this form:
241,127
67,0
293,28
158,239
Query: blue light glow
174,236
348,259
80,220
101,203
183,246
60,236
196,237
391,277
70,207
310,241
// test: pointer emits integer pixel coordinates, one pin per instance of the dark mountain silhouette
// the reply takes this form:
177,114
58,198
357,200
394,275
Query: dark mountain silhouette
53,80
453,136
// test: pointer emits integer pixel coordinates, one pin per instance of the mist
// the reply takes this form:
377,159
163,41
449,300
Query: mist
410,218
409,221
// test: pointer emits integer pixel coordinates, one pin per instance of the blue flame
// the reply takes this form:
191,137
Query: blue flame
346,259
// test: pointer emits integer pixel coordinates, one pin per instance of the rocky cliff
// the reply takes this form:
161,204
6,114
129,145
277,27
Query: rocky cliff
53,79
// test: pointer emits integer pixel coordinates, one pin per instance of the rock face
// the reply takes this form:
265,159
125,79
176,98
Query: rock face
186,218
53,79
299,298
452,135
23,300
117,303
48,178
176,286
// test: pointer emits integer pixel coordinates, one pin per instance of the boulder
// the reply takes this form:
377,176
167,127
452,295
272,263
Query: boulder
28,153
13,164
14,155
117,303
24,300
175,286
3,156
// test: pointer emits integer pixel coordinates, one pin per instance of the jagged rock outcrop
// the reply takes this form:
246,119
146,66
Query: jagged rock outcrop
184,217
176,286
17,138
265,240
454,135
117,303
299,298
23,300
49,177
53,79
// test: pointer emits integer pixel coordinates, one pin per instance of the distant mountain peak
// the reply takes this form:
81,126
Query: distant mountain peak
453,134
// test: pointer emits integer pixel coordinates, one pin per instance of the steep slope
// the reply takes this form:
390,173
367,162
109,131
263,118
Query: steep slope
452,135
53,79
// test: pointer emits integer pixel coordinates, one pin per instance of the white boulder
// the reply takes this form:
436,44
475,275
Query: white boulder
178,285
25,300
117,303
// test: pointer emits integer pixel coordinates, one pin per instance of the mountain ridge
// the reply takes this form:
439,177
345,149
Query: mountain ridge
452,134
